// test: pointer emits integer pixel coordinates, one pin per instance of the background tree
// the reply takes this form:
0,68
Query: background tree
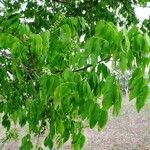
119,12
52,81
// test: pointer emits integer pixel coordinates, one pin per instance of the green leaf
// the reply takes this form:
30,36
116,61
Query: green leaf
94,59
141,99
137,88
57,98
108,93
24,29
68,75
6,122
45,40
16,49
60,127
12,21
62,94
103,118
123,62
1,106
81,141
8,40
48,84
26,143
87,108
65,33
118,100
22,117
109,34
125,43
147,39
100,27
78,141
87,88
90,45
48,142
103,70
94,117
135,77
36,43
66,135
14,117
99,88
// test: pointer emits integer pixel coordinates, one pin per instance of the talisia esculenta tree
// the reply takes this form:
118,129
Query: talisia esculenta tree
52,82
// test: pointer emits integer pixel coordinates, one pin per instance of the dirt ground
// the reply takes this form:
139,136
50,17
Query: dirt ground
129,131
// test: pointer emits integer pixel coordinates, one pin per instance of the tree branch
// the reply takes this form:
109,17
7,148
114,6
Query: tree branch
60,1
90,65
86,67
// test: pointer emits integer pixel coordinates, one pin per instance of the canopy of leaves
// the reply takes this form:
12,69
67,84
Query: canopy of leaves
51,81
119,12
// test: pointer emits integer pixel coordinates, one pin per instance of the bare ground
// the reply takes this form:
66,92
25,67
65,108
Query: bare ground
129,131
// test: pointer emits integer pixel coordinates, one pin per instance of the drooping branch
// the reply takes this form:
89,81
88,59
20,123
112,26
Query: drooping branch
86,67
90,65
60,1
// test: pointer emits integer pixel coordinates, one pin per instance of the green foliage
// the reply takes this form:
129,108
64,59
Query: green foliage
50,81
26,143
139,88
119,12
12,134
